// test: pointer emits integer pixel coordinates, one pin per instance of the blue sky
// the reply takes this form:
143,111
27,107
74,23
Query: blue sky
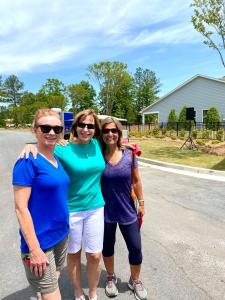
42,39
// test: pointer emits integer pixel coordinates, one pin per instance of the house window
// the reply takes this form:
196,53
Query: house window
204,115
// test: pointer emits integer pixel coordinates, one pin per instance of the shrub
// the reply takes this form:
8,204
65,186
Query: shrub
183,123
194,134
172,132
172,119
200,142
220,135
164,131
156,131
182,134
207,134
148,132
212,119
135,133
173,137
160,136
215,142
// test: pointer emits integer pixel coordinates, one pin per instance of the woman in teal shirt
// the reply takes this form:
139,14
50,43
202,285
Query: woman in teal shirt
83,161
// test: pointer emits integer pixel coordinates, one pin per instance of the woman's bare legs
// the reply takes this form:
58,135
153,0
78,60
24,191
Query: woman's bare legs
135,271
93,272
74,269
51,296
109,264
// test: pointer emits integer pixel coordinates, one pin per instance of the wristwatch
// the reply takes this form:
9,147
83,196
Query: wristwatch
141,202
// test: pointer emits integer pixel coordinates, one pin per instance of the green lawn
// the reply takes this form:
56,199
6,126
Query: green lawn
169,151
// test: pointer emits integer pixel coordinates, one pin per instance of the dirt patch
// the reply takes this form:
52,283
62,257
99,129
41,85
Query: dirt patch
218,149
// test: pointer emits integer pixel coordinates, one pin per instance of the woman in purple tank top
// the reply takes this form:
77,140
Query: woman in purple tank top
119,208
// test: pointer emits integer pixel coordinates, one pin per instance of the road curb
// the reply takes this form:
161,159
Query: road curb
181,167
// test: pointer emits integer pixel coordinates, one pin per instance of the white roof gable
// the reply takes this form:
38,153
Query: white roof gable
181,86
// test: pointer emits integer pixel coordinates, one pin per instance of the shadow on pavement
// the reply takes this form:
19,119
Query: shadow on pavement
66,286
24,294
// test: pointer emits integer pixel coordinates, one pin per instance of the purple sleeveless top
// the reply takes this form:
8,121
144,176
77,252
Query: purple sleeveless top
116,187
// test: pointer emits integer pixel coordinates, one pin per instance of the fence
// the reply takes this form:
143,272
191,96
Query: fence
179,126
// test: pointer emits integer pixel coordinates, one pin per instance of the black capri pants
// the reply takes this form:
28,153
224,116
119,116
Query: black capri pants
132,237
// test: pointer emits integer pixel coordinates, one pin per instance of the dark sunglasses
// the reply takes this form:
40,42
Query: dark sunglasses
107,130
83,125
48,128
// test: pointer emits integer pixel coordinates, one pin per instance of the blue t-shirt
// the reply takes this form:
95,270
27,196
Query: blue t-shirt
84,164
48,199
116,190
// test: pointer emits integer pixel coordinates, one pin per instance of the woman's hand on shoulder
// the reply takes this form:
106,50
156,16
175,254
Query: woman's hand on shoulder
62,142
29,148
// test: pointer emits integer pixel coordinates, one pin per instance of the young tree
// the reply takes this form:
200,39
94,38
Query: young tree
82,96
111,78
3,116
29,104
13,88
28,99
172,119
123,106
54,93
209,20
53,87
146,88
213,119
183,123
2,90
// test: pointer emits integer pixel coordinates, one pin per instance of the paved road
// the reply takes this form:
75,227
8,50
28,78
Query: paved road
183,236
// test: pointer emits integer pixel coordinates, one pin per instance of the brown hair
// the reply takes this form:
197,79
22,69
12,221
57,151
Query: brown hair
81,116
119,126
43,112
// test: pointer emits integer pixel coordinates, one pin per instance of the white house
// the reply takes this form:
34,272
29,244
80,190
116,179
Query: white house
200,92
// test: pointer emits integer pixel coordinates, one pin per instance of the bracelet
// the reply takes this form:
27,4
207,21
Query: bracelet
141,202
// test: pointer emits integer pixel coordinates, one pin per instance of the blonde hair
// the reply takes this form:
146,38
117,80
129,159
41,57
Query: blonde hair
119,126
44,112
81,116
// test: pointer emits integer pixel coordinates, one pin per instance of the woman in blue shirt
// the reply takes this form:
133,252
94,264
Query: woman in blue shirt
40,192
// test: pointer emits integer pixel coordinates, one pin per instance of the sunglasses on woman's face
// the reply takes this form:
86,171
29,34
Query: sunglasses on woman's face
83,125
107,130
48,128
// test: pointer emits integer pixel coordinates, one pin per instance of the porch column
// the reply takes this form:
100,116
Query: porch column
143,122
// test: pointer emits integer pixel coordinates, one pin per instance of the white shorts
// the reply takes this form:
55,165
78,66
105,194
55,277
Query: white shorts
86,231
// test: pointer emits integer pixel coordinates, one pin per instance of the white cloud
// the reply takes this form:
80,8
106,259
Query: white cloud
176,34
43,32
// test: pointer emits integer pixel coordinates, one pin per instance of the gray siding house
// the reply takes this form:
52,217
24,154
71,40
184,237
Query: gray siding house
200,92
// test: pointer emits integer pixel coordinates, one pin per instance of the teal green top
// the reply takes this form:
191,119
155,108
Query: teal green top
84,164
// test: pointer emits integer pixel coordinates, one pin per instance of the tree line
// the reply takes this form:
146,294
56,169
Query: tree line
120,93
